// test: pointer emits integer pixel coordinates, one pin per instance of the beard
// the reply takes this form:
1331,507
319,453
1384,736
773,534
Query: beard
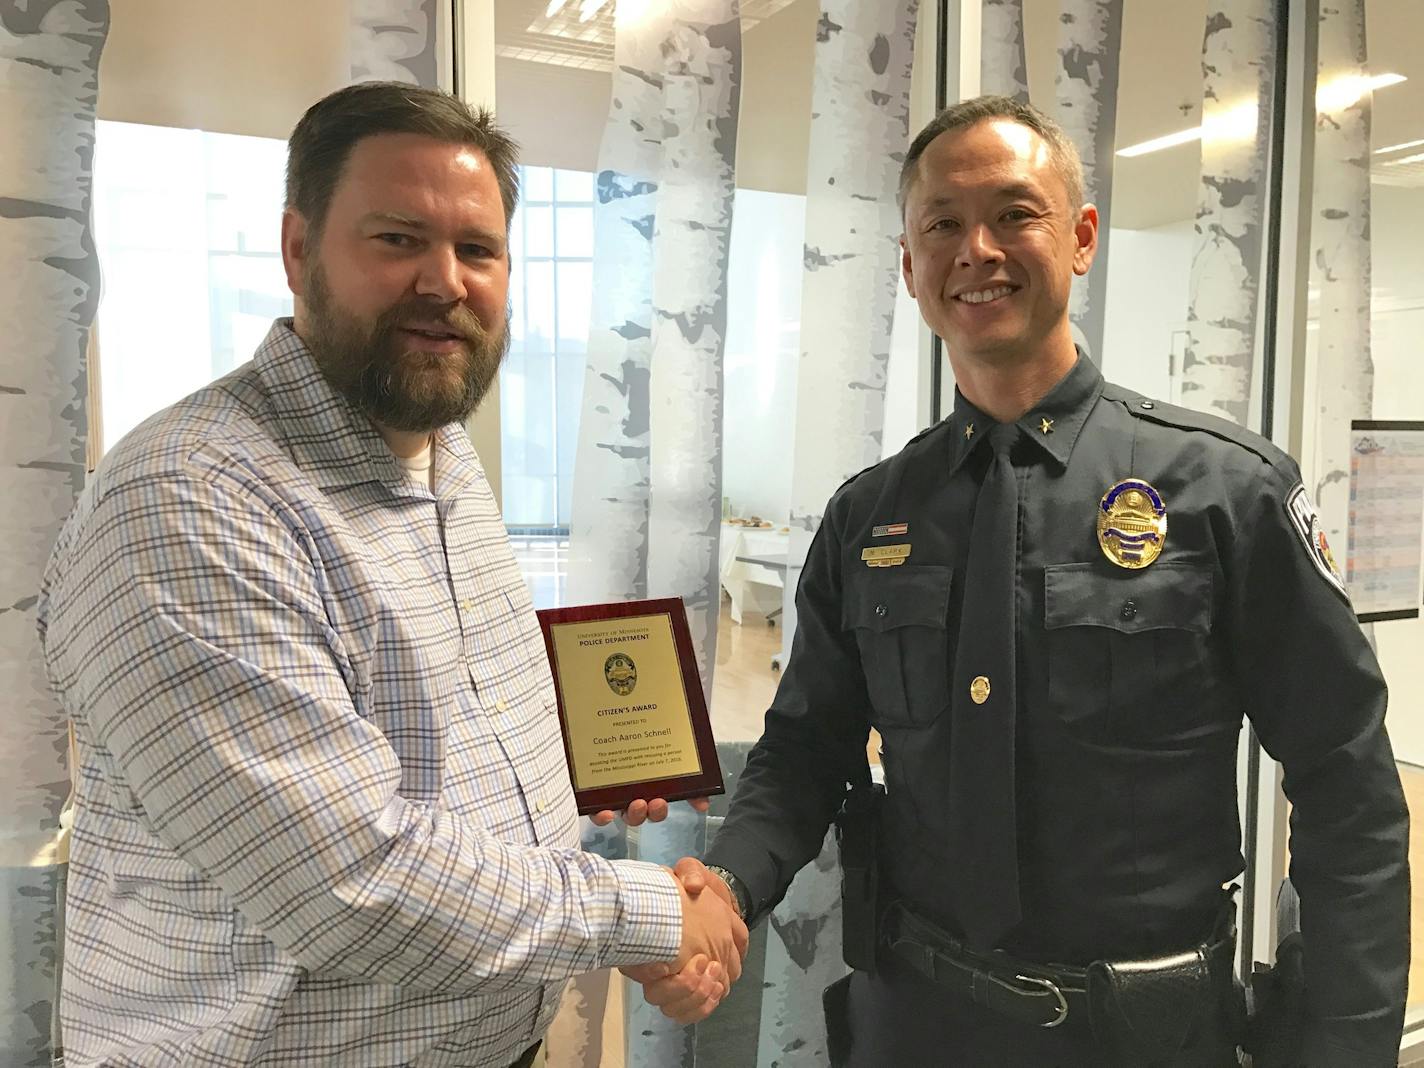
391,385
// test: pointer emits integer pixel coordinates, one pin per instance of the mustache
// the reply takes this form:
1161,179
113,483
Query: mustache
457,318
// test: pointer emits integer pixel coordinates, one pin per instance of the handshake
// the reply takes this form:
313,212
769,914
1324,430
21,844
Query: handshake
714,941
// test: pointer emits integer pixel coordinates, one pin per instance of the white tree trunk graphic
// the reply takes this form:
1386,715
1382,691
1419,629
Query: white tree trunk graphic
393,41
803,957
1237,60
701,93
608,532
1089,41
1002,68
1340,239
860,114
49,71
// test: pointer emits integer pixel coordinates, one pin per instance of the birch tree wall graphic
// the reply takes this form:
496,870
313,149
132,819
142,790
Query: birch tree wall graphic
49,71
608,528
1002,67
1340,240
860,116
1089,46
1237,59
701,95
394,41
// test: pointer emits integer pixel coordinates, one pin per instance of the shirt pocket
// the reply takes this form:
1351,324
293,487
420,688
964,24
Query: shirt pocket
900,619
1129,659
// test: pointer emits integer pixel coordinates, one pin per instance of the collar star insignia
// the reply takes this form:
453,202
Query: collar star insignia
1045,425
968,431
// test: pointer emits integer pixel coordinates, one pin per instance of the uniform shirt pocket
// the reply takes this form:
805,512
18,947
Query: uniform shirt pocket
900,618
1129,658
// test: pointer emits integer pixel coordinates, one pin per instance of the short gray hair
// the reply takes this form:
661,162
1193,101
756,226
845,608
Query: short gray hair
981,108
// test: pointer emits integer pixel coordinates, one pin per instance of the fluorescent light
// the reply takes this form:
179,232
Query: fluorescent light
1344,92
590,8
1416,158
1399,147
1239,123
555,6
1159,143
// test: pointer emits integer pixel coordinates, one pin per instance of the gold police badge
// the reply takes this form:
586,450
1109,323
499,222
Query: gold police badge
621,673
1132,524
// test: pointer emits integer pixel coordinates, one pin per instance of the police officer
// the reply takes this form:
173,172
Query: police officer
1055,606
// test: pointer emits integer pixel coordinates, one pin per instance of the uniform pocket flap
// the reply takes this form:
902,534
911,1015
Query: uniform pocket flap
883,598
1161,597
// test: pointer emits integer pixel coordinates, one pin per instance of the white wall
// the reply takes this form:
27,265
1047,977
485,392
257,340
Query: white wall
1148,278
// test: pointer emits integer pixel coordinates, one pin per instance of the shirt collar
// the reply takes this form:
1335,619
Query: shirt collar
1053,424
334,443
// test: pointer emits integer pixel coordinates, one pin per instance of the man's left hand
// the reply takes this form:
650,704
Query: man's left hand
640,811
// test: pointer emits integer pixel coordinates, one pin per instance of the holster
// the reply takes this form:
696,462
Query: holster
1147,1011
857,838
1277,1024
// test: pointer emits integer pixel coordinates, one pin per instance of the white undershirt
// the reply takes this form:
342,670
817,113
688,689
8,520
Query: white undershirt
420,467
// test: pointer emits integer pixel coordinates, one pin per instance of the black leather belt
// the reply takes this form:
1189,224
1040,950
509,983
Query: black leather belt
1040,995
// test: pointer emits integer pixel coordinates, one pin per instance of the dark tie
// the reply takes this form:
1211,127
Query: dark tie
983,830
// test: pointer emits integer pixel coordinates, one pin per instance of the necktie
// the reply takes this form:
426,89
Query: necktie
982,826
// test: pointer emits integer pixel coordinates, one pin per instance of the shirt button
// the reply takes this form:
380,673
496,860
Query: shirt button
880,610
1147,406
500,706
540,805
1129,610
467,605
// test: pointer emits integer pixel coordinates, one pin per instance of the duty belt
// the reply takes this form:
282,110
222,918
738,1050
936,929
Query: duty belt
1042,995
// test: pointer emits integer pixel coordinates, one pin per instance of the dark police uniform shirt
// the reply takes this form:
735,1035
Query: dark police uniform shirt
1132,685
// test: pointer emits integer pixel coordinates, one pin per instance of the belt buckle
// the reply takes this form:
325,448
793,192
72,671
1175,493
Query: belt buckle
1051,987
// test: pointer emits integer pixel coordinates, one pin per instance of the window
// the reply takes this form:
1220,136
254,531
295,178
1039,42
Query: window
541,385
187,228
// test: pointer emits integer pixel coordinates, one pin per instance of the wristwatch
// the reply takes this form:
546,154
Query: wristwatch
740,894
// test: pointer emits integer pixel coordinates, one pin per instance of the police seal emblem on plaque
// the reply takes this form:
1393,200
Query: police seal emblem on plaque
621,673
1132,524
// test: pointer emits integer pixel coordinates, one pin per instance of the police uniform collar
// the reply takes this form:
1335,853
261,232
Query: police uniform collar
1053,424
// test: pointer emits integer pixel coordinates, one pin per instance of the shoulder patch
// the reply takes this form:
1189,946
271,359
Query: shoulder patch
1305,520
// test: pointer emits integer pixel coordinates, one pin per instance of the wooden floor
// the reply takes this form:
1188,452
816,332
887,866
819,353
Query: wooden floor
744,682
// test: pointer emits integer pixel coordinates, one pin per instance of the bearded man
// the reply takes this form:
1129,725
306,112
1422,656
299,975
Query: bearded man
323,815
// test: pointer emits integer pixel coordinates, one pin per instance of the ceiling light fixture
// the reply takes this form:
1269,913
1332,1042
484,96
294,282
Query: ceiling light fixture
1399,147
1418,157
555,6
1240,122
591,8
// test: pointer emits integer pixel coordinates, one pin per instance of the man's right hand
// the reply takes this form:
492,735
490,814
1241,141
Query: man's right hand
709,961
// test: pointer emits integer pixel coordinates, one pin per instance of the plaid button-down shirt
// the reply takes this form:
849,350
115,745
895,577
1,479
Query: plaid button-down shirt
323,815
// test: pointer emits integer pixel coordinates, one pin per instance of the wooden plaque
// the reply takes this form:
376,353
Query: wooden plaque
634,718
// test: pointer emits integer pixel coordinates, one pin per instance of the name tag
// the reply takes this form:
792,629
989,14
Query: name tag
885,555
